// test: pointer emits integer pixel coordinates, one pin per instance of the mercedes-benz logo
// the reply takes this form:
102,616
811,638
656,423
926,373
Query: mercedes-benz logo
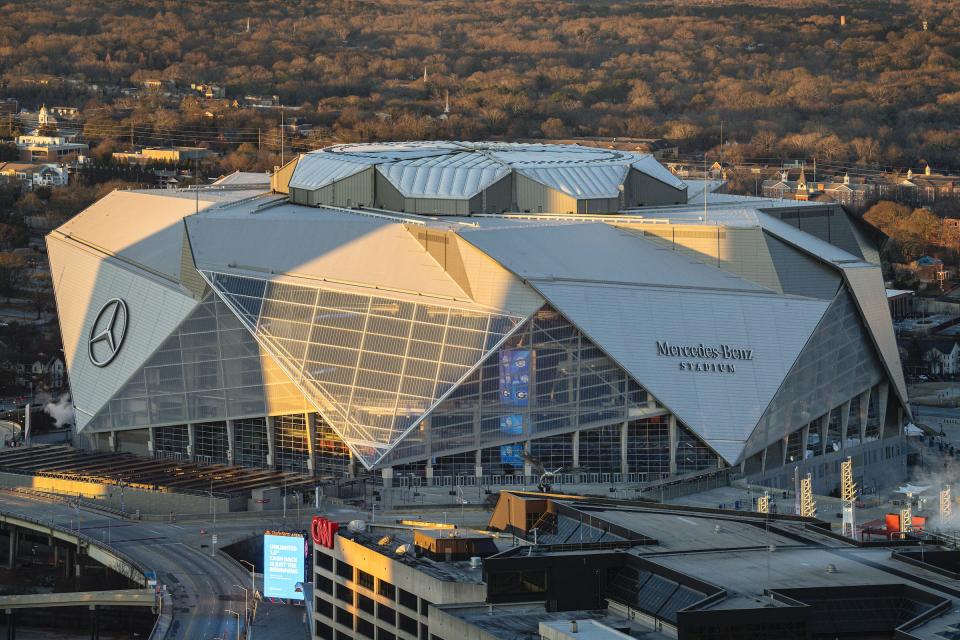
108,331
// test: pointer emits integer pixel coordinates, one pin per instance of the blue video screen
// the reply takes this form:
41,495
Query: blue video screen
515,377
283,564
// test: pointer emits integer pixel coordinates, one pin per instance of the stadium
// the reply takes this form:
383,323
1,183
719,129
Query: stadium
455,311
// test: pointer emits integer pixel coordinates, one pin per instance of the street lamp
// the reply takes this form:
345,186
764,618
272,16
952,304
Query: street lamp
253,586
245,592
238,622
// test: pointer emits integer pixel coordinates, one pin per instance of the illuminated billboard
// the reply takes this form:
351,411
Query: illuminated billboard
514,377
283,563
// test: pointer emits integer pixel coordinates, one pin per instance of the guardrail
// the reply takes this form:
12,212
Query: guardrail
89,540
159,630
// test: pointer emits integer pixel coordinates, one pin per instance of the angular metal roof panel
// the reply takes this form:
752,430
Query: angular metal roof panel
460,175
462,169
588,181
650,166
142,228
317,243
317,170
598,252
84,282
866,284
632,325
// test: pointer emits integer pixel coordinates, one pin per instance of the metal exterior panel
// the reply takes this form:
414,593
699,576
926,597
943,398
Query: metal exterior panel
652,167
457,175
646,190
723,408
492,285
802,275
581,182
336,246
536,197
318,169
805,241
866,284
144,229
83,283
387,195
595,251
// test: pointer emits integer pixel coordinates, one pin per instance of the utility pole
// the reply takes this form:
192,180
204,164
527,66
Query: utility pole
281,135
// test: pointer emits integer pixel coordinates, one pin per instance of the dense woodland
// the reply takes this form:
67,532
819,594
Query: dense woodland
784,76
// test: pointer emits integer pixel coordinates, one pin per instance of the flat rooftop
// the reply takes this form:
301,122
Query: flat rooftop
448,571
522,621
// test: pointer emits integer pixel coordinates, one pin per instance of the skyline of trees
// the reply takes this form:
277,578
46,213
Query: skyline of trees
785,78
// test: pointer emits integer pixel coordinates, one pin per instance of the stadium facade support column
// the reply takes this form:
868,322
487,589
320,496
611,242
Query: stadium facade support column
191,441
112,441
428,437
864,413
478,460
624,441
844,423
151,440
12,552
804,441
575,445
824,428
883,392
387,475
271,437
674,441
310,420
231,441
527,467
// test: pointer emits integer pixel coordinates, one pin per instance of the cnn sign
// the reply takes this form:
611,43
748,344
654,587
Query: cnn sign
322,531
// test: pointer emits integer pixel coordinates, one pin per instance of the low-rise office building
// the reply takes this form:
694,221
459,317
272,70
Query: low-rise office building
611,570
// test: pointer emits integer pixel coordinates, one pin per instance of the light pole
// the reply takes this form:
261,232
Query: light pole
238,622
253,587
245,600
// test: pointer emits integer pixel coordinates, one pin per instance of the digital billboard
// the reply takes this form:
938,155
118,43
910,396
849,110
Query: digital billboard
283,564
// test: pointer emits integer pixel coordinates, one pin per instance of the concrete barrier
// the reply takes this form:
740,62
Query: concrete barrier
129,499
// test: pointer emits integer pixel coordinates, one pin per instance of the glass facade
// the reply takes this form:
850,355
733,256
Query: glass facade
331,454
853,423
374,365
648,446
210,368
545,378
838,363
250,440
171,441
290,442
692,454
600,449
210,442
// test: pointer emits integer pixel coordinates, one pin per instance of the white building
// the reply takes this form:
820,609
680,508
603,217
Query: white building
463,310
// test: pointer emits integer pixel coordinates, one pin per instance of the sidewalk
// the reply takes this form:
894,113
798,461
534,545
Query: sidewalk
280,622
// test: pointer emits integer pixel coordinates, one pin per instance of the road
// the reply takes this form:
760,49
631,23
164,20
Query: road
201,586
945,418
